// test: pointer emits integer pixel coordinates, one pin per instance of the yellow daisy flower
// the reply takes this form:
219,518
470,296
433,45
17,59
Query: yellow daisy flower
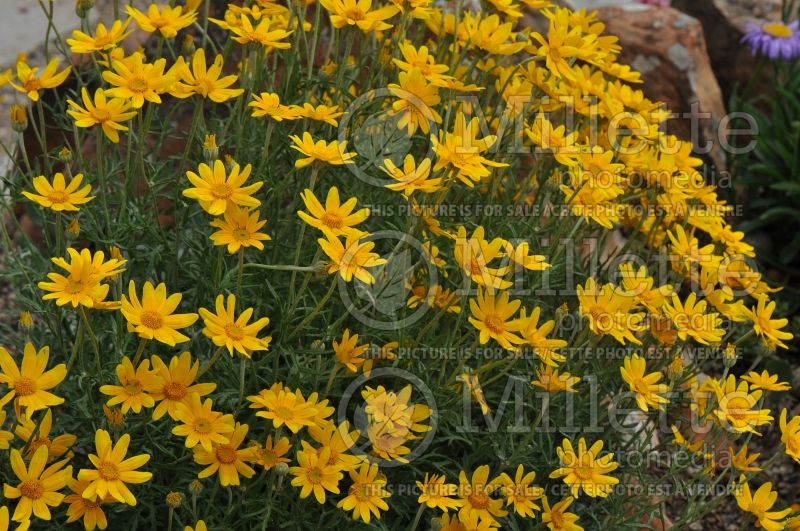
314,473
38,486
202,80
30,82
645,387
217,191
107,113
334,152
56,447
284,406
493,317
790,435
759,505
103,39
133,79
135,386
227,459
367,495
269,105
434,493
476,496
234,333
585,470
200,424
348,352
167,21
89,510
359,14
520,493
30,383
736,406
178,384
412,177
272,454
83,284
557,517
768,329
765,381
335,218
351,259
58,195
112,471
239,228
154,317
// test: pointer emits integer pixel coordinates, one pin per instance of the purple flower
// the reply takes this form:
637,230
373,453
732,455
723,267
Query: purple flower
776,40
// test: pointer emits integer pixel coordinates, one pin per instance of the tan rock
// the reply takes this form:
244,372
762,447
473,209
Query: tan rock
669,49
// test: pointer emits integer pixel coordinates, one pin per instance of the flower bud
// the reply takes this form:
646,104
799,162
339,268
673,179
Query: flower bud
174,500
19,118
281,469
210,148
195,487
65,155
729,356
25,319
82,7
187,46
73,229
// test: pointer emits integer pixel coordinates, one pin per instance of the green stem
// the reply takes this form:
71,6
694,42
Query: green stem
314,312
93,339
139,351
211,362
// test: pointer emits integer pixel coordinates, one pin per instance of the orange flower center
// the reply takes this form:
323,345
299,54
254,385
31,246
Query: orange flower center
151,319
315,475
202,426
354,14
73,286
174,391
557,518
42,441
225,454
479,500
133,387
32,489
494,323
332,220
241,235
58,196
33,84
108,471
101,115
137,84
222,191
283,412
24,386
584,472
738,407
234,332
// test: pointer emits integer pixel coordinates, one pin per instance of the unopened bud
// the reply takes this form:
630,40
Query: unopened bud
174,500
82,7
25,319
73,229
19,118
195,487
729,356
210,148
187,46
65,155
281,469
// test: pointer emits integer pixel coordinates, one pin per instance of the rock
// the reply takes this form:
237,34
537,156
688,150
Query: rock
724,24
669,49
